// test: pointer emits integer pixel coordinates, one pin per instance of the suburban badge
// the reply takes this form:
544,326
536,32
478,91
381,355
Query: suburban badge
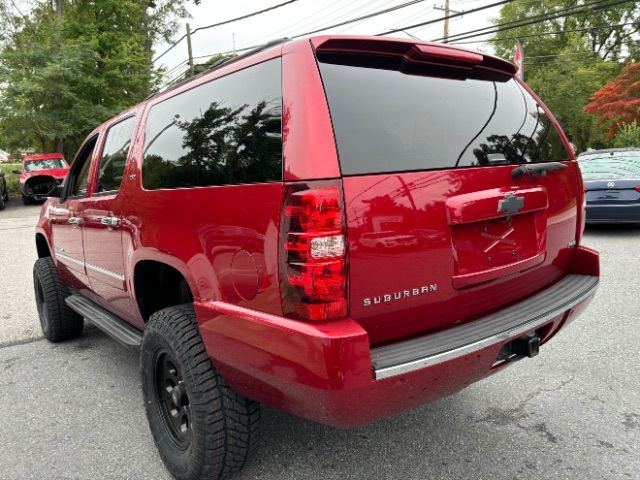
400,295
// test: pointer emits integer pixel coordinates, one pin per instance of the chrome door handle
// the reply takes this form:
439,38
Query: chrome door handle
110,221
74,220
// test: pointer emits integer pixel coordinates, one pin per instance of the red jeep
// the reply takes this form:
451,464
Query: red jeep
39,172
218,227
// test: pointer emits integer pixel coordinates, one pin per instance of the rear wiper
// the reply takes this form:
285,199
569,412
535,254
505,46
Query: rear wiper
536,170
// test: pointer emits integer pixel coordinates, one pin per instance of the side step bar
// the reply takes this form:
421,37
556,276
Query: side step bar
409,355
106,321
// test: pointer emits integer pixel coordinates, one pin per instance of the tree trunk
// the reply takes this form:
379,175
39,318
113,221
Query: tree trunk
57,102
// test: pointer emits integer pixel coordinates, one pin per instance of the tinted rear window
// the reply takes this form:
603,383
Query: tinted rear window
610,167
389,121
223,132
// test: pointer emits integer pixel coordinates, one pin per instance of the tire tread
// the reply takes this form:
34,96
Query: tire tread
64,323
228,424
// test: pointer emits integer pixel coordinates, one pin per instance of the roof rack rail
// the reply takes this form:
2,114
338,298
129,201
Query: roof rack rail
222,62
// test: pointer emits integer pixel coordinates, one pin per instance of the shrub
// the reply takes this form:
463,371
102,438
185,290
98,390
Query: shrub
11,178
628,135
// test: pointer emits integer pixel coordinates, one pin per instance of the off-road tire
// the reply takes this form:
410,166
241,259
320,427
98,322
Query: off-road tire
58,321
223,425
2,200
26,200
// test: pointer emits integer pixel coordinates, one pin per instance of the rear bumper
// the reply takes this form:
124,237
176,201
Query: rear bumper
620,213
328,373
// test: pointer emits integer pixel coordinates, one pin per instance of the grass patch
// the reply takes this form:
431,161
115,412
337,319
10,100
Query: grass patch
11,178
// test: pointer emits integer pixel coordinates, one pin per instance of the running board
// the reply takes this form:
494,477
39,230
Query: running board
106,321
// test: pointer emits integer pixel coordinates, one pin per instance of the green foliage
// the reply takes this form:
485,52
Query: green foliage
12,179
565,69
598,31
565,86
628,136
61,76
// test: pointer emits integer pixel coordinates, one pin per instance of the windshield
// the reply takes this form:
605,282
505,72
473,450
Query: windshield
610,167
37,165
389,121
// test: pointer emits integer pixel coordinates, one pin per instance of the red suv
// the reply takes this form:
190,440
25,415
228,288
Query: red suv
39,172
219,227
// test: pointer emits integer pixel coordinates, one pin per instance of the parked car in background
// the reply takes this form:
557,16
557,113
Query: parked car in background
612,185
4,192
37,169
216,228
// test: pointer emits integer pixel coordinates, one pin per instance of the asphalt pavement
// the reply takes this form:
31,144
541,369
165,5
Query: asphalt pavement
74,410
18,316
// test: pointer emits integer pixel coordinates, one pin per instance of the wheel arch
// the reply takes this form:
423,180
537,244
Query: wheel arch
158,284
42,246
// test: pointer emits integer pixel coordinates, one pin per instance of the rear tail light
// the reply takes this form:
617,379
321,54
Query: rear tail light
638,188
313,252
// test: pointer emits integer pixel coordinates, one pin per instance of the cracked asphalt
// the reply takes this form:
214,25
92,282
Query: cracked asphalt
74,410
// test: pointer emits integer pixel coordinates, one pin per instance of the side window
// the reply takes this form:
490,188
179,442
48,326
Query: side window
114,155
227,131
79,176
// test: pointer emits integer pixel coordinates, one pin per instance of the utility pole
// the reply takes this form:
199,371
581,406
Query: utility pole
191,69
447,11
446,21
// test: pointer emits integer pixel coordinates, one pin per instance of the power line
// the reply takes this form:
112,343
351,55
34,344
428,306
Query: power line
446,17
225,22
175,67
587,7
362,17
543,16
309,20
558,32
362,21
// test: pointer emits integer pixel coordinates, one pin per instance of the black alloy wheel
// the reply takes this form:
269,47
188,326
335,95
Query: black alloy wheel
202,428
173,399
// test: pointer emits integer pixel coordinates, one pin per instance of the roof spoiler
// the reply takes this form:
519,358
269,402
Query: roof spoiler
413,53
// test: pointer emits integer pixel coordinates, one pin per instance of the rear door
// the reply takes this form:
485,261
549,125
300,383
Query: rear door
429,151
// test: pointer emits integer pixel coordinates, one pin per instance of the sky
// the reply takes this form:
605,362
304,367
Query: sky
306,15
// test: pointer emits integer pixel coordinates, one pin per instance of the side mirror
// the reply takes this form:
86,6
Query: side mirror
17,172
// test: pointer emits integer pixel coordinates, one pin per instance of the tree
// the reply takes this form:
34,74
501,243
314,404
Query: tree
68,66
565,85
597,31
618,102
566,67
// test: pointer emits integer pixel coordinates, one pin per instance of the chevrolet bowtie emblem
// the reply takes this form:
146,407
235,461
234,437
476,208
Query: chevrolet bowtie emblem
510,204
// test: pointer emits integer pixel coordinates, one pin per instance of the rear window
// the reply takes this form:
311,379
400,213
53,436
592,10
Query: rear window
611,167
223,132
390,121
